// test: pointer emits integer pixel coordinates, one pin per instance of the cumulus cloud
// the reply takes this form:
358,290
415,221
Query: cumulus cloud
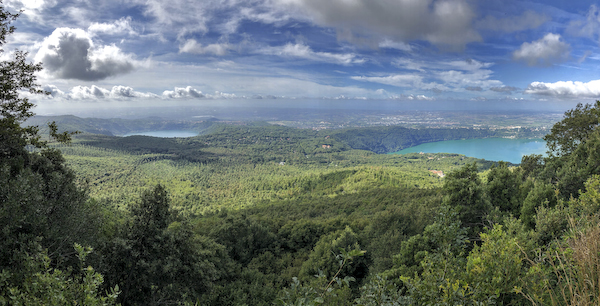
71,54
304,51
543,52
420,98
446,23
183,93
93,93
528,20
192,46
566,89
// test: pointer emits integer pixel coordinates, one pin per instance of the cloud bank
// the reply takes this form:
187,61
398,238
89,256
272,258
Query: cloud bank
94,93
566,89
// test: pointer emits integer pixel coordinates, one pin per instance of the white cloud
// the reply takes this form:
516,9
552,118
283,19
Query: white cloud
446,23
222,95
183,93
420,98
304,51
120,91
32,9
467,65
566,89
460,79
53,90
87,93
121,26
398,80
94,93
529,20
590,27
71,54
394,45
192,46
543,52
439,75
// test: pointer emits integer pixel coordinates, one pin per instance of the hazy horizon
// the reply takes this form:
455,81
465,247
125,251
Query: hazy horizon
281,109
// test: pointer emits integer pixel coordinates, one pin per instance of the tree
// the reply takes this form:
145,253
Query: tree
16,75
574,129
156,259
503,189
39,196
323,257
541,194
43,212
464,191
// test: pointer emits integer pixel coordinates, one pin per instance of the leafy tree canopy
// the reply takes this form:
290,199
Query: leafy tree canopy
575,127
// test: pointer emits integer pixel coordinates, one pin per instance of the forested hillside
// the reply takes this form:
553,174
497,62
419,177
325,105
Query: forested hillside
258,215
395,138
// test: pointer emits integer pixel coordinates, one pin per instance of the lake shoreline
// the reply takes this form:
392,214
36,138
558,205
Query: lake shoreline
492,148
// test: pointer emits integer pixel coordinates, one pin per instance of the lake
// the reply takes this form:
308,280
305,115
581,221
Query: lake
165,133
496,149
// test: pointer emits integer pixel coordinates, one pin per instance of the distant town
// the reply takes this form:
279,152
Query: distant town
535,123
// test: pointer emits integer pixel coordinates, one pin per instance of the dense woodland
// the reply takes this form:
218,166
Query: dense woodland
263,215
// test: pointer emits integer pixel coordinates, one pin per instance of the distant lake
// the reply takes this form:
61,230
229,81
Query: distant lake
496,149
165,133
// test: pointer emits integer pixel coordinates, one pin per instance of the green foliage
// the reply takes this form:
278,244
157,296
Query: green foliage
442,281
40,284
380,292
583,162
322,290
243,238
330,258
156,261
503,189
542,194
573,130
496,267
465,191
42,200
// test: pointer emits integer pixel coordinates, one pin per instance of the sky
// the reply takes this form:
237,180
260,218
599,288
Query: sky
154,51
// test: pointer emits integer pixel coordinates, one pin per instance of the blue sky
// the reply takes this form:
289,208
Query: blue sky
494,51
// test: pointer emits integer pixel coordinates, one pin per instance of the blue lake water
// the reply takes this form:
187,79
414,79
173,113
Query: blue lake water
165,133
496,149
